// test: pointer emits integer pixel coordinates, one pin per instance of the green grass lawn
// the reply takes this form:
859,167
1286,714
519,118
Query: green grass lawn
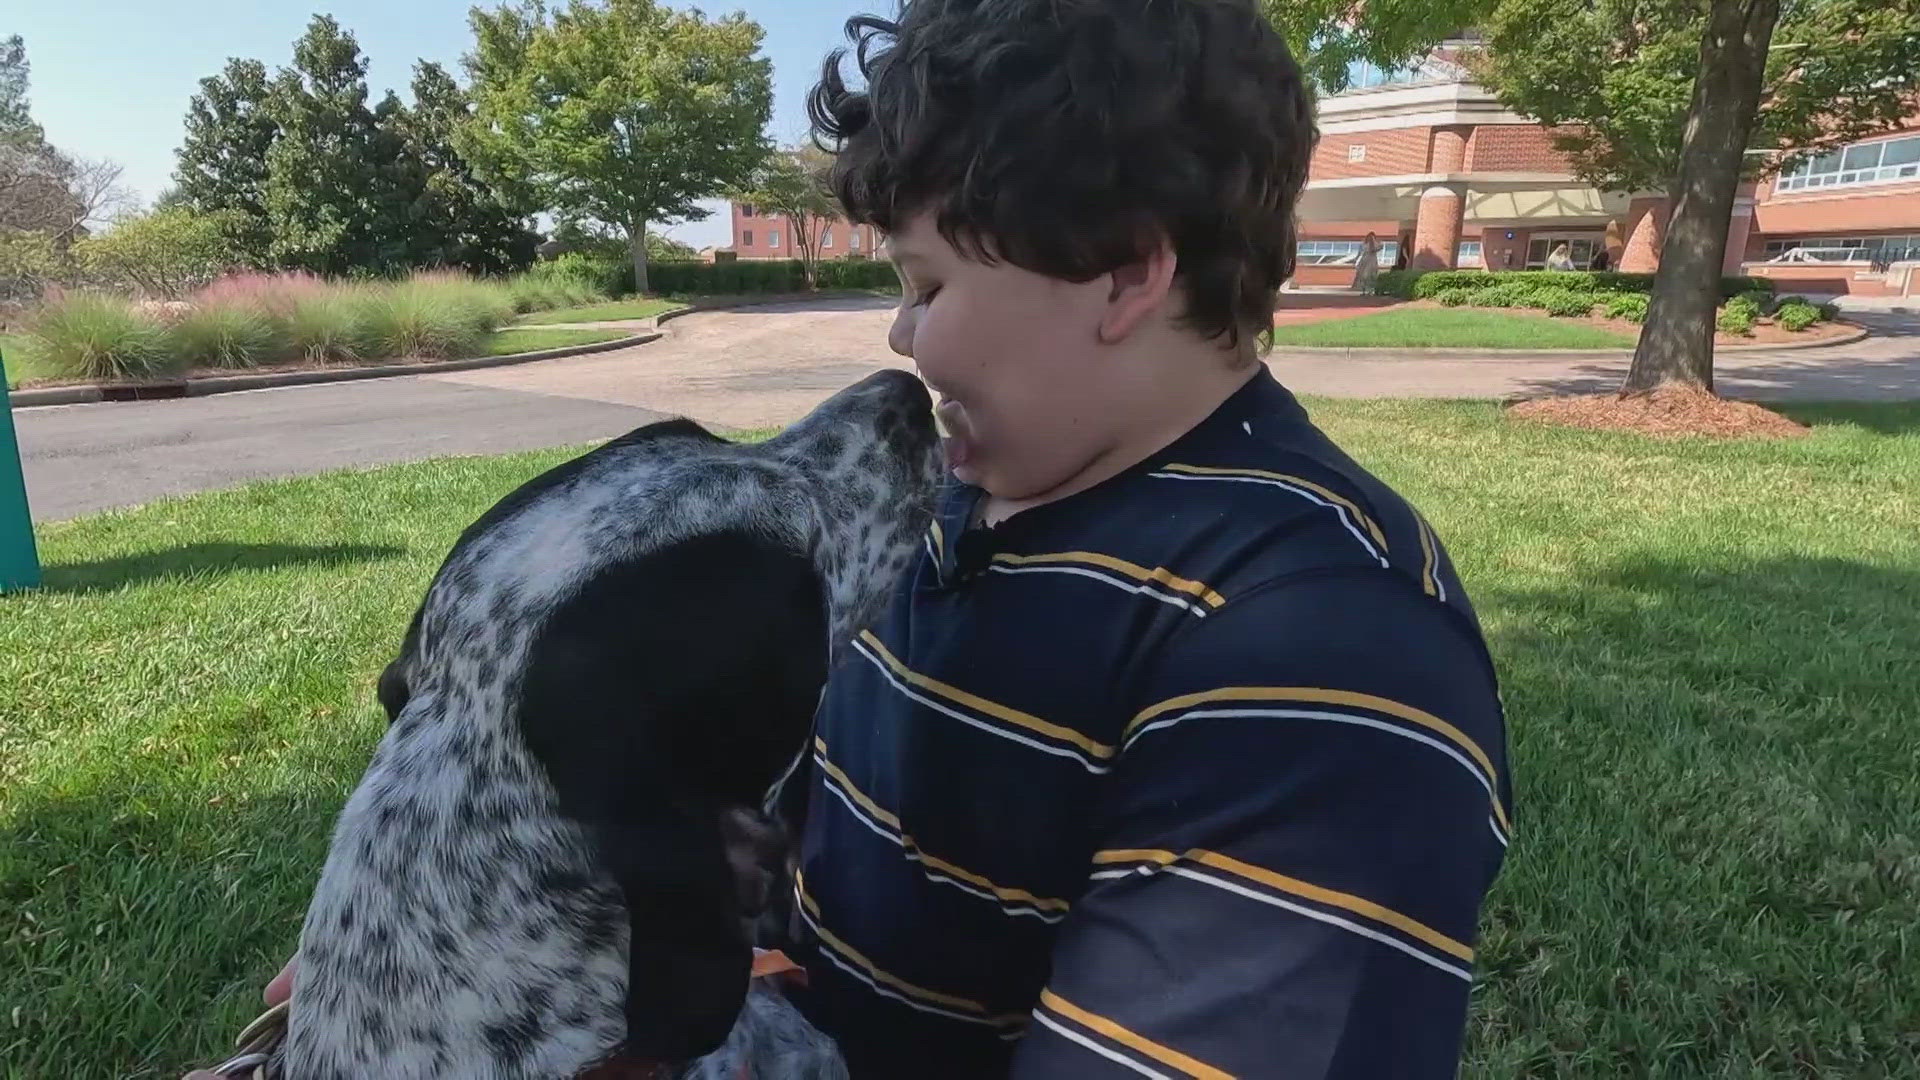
13,348
639,307
1708,652
508,342
1450,328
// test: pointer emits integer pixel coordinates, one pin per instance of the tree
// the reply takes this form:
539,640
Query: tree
222,164
460,220
623,112
793,184
1690,97
330,203
165,254
16,121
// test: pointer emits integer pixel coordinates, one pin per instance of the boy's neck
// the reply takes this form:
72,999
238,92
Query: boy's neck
1156,396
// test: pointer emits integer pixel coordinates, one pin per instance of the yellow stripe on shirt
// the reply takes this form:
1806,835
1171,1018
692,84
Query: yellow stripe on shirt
920,854
1359,905
1099,751
1165,1055
1159,575
1332,697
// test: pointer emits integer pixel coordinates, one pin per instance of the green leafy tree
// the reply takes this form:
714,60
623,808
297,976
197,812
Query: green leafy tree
793,184
1330,35
457,219
624,112
16,120
165,254
221,165
1690,97
329,191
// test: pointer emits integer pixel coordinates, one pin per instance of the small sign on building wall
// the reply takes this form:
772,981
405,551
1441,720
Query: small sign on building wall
1357,152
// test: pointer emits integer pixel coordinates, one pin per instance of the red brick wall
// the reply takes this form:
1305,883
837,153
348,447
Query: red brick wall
1393,152
1514,148
1838,211
760,225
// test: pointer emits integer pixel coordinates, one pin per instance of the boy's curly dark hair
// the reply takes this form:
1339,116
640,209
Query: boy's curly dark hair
1065,135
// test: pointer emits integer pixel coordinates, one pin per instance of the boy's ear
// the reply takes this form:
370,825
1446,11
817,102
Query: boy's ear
1138,289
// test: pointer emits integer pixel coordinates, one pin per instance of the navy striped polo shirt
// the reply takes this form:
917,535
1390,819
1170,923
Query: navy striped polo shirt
1200,772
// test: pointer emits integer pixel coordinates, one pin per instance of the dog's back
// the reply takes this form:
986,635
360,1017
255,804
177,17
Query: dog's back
617,653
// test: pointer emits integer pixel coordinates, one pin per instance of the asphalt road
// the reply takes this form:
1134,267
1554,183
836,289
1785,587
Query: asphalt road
751,368
82,458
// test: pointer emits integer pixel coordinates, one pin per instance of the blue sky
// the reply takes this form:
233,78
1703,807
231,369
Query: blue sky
111,78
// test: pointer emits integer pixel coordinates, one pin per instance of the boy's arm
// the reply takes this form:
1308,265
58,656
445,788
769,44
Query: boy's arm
1308,809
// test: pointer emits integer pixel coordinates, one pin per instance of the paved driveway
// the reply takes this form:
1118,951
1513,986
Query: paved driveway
749,368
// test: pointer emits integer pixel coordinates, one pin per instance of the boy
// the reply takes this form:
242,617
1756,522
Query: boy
1180,753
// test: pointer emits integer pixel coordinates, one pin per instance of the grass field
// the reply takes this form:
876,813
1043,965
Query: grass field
13,351
639,307
1708,655
1450,328
508,342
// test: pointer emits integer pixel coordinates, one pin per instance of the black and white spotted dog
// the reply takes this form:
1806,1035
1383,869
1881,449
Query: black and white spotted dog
614,658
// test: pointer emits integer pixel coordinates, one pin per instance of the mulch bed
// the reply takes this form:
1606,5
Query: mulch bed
1669,411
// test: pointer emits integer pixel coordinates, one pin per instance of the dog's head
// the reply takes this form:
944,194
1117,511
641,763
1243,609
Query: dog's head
874,456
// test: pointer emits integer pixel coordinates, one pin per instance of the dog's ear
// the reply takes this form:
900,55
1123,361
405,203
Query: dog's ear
392,690
671,687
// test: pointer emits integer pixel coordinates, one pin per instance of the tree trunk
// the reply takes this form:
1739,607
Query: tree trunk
637,245
1677,344
804,241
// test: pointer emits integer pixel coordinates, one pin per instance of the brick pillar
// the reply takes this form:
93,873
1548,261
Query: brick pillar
1739,229
1436,231
1449,150
1646,227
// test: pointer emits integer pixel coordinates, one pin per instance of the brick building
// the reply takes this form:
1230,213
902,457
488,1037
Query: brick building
1428,161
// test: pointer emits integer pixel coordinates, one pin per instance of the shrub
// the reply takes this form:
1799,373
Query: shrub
166,253
1762,300
1429,284
82,335
1456,296
423,318
1747,307
1796,316
857,274
1397,283
1564,302
597,274
1631,306
330,326
1615,281
1502,295
1735,319
1829,311
227,335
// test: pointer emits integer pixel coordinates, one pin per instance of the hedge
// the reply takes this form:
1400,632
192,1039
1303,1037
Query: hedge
1423,284
765,275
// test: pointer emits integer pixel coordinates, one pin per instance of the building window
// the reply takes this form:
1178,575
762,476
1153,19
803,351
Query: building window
746,210
773,238
1886,161
1844,249
1342,252
826,237
1468,256
746,238
853,240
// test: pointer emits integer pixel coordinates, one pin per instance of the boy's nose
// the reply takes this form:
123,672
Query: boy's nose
900,334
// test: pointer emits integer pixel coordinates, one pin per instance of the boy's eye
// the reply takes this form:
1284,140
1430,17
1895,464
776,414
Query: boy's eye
926,296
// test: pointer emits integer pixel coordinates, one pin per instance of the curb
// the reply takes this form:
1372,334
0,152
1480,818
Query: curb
227,384
1309,352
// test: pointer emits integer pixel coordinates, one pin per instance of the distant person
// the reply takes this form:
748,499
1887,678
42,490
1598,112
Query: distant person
1561,258
1366,270
1601,260
1399,256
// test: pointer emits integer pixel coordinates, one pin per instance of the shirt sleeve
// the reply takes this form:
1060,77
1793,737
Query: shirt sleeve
1292,848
